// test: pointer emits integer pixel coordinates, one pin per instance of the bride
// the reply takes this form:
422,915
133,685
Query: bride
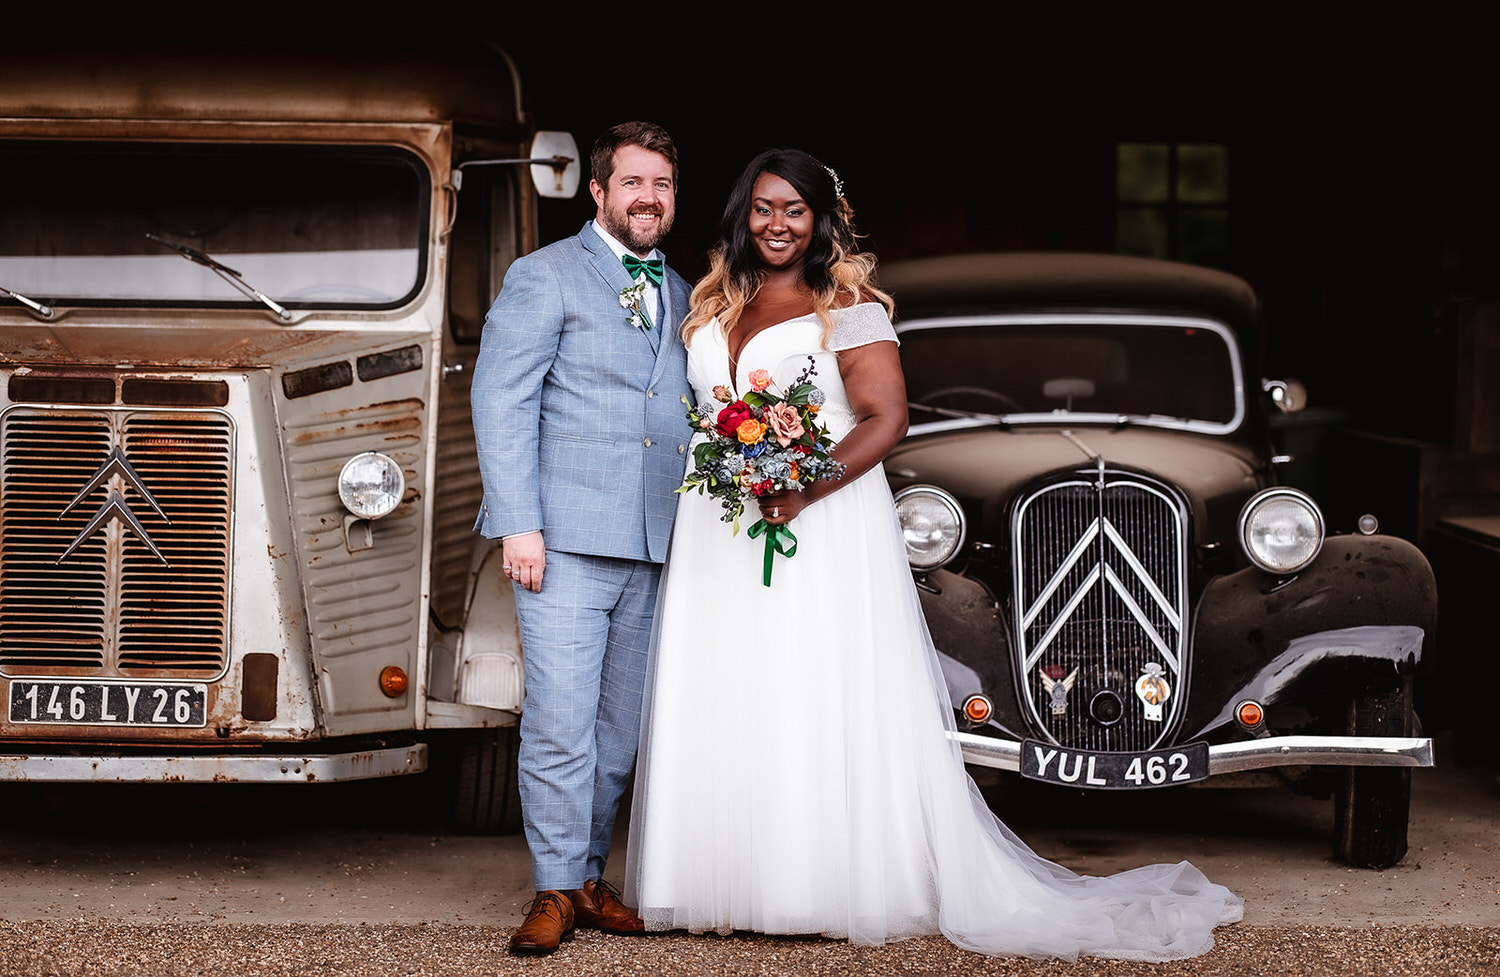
795,774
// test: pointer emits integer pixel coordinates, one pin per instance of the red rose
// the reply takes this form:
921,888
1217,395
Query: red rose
731,417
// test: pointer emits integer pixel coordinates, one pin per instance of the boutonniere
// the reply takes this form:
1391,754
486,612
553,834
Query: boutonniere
630,298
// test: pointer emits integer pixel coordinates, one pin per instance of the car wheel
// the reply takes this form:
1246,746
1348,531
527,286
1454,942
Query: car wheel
486,797
1372,804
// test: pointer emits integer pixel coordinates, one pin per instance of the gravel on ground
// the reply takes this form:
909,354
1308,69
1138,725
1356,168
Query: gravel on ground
50,949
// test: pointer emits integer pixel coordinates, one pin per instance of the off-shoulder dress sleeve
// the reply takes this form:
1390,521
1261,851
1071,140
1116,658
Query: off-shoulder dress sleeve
861,325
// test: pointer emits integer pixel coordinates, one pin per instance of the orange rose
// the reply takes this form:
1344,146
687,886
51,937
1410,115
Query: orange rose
750,431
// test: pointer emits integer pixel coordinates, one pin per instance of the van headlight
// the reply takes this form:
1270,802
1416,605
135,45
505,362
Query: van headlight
932,524
371,485
1281,530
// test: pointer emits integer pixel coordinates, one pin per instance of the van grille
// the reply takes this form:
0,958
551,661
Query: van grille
1100,581
113,605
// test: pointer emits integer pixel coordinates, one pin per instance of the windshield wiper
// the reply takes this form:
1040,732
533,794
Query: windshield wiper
955,412
225,272
45,311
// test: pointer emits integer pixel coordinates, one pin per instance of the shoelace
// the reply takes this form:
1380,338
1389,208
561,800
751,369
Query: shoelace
607,889
546,897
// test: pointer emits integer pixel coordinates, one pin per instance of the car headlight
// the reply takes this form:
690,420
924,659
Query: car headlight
1281,530
932,524
371,485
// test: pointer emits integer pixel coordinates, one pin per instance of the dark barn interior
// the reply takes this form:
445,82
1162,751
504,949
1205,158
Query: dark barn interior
1346,173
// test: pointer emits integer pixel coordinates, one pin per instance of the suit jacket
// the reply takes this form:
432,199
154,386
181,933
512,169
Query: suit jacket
578,415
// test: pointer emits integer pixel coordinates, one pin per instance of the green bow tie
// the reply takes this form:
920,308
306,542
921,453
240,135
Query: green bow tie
635,266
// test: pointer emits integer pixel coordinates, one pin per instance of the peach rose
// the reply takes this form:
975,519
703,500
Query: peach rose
760,379
786,422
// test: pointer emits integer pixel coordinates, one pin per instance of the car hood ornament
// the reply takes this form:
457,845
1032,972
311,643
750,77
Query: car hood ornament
1057,691
115,506
1153,690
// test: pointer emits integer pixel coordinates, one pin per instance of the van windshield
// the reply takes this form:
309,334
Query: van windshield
308,226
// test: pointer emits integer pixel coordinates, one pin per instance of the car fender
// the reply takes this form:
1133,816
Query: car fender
1365,608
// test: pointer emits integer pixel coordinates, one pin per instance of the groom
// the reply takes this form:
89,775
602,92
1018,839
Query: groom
582,442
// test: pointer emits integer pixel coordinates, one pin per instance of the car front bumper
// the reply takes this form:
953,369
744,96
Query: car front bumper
217,768
1224,758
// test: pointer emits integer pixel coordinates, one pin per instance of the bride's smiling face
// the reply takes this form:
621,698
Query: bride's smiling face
781,223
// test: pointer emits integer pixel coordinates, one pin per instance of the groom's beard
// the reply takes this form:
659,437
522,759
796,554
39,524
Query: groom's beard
641,242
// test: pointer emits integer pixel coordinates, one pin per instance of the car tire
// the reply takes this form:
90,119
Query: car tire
486,796
1372,805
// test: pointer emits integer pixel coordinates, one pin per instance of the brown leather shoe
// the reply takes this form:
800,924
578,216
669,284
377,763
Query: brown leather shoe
598,905
549,920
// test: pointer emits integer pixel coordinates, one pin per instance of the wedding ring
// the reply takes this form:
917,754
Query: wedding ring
775,511
506,567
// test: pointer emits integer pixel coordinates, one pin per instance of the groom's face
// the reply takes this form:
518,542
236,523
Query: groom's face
640,199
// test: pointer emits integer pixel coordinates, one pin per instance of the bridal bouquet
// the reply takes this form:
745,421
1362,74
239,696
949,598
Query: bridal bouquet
765,441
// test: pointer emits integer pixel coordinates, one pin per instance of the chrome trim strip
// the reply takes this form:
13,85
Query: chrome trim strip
1063,570
1063,616
1139,569
1274,751
254,769
1147,627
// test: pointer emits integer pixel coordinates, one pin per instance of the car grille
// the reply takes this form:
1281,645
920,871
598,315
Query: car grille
81,588
1100,578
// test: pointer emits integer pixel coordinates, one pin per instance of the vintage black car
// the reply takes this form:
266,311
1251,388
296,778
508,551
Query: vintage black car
1122,593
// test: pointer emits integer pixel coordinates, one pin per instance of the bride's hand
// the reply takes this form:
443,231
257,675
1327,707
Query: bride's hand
780,508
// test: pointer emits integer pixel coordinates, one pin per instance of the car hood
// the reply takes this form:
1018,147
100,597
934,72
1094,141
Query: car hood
989,466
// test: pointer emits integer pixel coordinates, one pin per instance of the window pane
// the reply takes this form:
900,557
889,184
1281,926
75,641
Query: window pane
1141,172
1203,236
1203,174
1141,231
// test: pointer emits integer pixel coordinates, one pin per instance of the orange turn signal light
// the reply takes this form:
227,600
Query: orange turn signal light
393,680
1249,714
977,709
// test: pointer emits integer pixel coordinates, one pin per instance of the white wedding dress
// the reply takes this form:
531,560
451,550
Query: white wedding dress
795,775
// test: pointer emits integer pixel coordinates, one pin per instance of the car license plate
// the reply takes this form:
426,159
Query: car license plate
1114,771
108,703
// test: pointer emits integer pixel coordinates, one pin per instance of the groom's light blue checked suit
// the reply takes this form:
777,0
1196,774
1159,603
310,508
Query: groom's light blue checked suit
582,435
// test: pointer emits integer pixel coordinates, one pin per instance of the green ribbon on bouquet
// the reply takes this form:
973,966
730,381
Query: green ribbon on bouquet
779,539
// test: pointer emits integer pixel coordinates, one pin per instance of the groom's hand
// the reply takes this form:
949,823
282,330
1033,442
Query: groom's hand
526,557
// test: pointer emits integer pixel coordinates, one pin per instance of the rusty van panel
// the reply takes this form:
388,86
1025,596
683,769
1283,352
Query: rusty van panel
285,83
365,604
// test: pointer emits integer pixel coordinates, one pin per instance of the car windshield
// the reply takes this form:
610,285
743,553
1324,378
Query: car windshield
1097,368
310,227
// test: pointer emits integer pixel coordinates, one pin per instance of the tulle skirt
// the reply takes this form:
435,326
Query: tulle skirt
796,777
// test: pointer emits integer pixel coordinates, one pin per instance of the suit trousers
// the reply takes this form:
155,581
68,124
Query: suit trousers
586,636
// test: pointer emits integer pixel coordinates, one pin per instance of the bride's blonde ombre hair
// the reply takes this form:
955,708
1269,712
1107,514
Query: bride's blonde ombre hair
835,270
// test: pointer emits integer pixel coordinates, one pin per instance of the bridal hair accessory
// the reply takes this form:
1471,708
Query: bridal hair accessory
760,443
630,298
838,185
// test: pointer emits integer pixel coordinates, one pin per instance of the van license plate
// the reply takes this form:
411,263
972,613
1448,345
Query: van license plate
1114,771
108,703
